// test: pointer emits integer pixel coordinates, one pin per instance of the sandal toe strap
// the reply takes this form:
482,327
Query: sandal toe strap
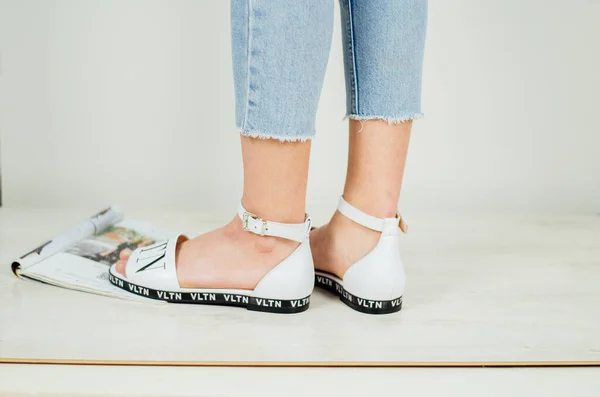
154,265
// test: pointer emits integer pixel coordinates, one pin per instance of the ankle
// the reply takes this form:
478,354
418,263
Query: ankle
341,225
263,245
341,243
380,206
292,212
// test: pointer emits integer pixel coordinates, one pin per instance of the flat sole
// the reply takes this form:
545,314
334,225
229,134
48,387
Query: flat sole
333,284
205,296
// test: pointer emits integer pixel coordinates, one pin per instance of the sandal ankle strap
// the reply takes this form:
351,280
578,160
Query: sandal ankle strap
366,220
291,231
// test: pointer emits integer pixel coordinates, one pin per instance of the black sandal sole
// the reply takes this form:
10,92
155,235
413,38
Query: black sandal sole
211,298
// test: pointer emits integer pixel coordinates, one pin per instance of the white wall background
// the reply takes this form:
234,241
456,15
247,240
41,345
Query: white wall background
131,101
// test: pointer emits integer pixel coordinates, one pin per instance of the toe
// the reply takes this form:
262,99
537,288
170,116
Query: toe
125,254
120,266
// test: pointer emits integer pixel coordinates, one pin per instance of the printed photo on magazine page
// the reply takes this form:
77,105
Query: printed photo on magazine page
107,247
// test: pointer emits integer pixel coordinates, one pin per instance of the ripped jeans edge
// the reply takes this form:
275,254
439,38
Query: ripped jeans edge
280,138
390,120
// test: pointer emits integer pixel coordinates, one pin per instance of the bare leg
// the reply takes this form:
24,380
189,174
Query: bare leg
376,159
279,53
275,176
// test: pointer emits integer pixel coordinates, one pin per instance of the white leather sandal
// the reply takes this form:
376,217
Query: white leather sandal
374,284
151,272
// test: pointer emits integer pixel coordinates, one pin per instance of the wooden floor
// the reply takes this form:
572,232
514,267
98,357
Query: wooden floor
503,290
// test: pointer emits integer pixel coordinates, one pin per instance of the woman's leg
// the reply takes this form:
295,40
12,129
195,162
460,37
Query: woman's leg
280,50
383,48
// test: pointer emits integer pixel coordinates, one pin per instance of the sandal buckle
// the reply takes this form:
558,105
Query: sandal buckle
250,215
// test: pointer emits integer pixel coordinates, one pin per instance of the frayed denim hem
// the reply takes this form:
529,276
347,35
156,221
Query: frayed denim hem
390,120
280,138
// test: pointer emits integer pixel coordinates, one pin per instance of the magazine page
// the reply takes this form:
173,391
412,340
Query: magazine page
94,225
84,266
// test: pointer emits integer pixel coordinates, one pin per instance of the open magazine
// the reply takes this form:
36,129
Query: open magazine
80,257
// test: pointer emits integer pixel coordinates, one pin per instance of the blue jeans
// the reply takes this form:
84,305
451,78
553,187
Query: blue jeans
280,50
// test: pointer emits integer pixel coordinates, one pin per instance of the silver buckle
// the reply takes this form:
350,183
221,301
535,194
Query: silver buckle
247,215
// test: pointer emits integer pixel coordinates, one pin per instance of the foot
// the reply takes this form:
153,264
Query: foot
228,257
339,244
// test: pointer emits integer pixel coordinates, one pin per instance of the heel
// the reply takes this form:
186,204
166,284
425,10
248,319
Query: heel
379,275
279,290
333,284
373,307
